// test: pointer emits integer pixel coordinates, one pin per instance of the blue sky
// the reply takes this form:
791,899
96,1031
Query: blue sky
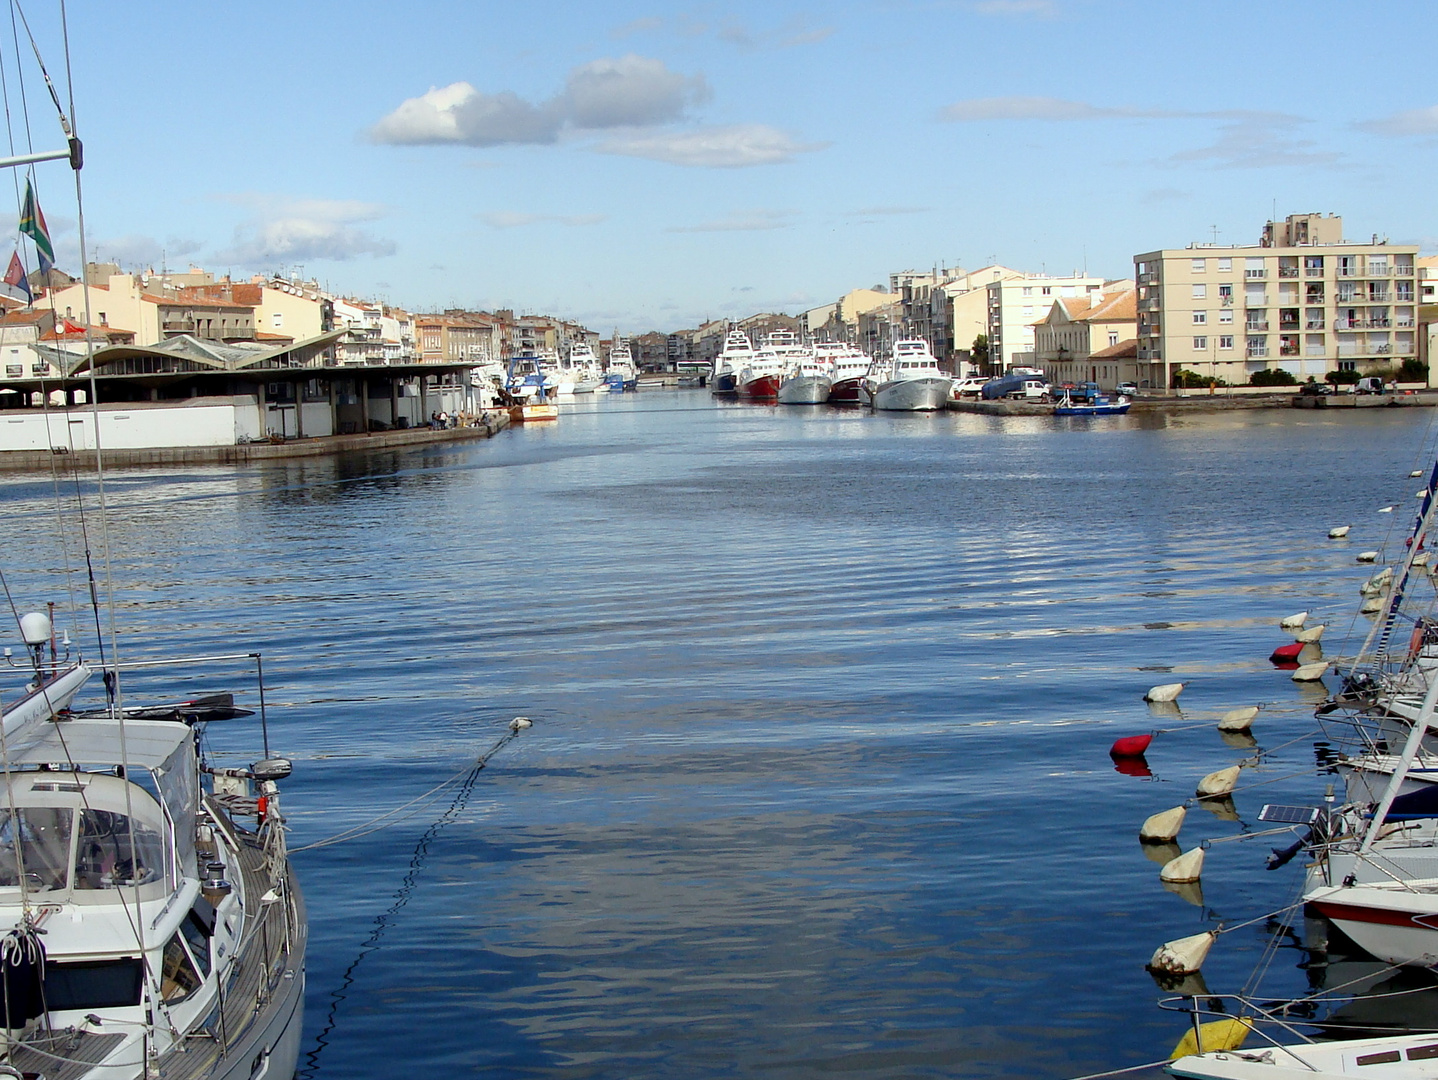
645,165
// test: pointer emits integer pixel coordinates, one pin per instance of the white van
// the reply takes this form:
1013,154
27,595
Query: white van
1033,390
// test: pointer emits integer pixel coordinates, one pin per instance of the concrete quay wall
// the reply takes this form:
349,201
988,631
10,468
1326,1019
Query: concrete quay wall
243,453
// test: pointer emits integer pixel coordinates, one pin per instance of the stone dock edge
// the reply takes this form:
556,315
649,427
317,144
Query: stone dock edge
40,460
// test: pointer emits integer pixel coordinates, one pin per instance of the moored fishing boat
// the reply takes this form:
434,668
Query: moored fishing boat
1099,405
620,375
809,381
851,368
761,377
732,359
913,381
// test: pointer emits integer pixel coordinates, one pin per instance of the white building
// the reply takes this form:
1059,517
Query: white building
1016,303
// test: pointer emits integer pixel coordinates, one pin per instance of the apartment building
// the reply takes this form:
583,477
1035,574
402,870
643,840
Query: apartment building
1302,299
1016,303
1079,339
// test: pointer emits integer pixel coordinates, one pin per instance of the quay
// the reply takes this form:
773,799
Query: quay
485,426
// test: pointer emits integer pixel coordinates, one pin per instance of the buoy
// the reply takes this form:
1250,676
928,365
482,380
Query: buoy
1238,719
1338,532
1287,654
1387,509
1416,473
1162,827
1383,577
1219,783
519,723
1310,672
1183,956
1421,494
1187,867
1130,746
1372,605
1312,634
1165,692
1368,556
1421,559
1294,622
1213,1037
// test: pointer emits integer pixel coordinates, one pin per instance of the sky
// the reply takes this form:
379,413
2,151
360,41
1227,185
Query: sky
645,165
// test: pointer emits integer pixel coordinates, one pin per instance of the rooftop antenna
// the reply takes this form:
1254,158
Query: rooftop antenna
1215,234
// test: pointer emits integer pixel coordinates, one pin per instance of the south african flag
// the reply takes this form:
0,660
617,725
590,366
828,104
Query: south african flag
32,224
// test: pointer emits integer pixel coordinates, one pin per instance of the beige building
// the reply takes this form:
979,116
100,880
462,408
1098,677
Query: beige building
1068,341
1016,303
1301,300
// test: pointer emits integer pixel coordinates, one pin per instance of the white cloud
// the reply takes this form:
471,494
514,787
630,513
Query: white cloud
1258,141
514,220
1044,9
731,146
286,230
142,251
1418,122
638,26
742,221
632,91
1042,108
888,211
458,113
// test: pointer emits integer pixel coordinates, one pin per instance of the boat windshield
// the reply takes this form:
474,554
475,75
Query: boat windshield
114,850
44,847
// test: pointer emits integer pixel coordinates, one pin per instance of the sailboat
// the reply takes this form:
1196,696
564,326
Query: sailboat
150,920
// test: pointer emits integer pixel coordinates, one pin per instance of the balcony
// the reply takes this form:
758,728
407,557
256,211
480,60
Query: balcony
1257,350
1149,278
1314,324
1313,271
1349,272
1257,327
1255,273
1379,269
1288,271
1314,350
1402,322
1380,297
1226,301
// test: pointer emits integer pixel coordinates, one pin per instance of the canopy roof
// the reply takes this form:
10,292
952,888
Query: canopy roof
148,743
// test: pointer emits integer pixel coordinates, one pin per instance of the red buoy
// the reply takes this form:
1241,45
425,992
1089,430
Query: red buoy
1131,746
1287,654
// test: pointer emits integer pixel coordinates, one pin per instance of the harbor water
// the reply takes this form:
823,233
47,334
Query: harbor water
817,782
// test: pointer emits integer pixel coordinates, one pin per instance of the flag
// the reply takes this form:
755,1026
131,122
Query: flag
32,224
16,280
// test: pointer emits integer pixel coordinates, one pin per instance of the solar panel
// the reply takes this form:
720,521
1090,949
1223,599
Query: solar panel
1290,815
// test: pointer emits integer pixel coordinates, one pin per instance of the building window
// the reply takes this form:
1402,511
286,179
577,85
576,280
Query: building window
1028,290
1253,268
1200,292
1225,341
1200,317
1112,338
1200,265
1225,264
1200,344
1225,315
277,319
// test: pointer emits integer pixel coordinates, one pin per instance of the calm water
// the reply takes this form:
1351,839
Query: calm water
818,782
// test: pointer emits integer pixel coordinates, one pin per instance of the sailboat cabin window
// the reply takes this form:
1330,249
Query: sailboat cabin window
178,977
44,847
114,850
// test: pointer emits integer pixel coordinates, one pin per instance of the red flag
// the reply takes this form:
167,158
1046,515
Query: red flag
15,276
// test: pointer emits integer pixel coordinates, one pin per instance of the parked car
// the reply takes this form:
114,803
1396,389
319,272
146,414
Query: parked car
1127,389
1316,389
1369,384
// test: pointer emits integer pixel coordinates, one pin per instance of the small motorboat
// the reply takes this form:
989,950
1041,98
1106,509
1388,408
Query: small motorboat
1099,406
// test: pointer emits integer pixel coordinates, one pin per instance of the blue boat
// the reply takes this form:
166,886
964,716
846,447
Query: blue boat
1096,405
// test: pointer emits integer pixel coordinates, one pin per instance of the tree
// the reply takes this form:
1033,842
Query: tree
1413,370
1271,377
979,352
